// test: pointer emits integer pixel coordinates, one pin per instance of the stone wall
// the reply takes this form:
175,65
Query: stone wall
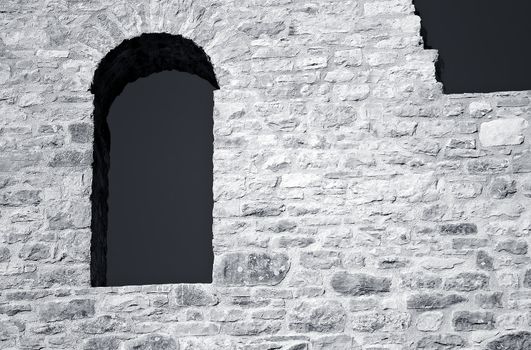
356,206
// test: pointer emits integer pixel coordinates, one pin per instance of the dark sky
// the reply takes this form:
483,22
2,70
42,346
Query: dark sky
160,181
484,45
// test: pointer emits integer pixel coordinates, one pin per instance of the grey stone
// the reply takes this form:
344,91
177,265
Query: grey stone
102,343
80,132
35,252
467,282
484,261
502,188
66,310
502,132
5,254
321,259
252,269
375,321
489,300
458,229
152,342
511,341
335,342
20,198
99,325
527,279
359,284
441,342
325,317
251,328
71,159
473,320
433,301
262,209
190,295
512,246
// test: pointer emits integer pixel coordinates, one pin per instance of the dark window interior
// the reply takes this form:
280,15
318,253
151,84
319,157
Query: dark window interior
152,172
483,44
160,181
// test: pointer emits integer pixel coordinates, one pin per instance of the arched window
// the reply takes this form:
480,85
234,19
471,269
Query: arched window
152,171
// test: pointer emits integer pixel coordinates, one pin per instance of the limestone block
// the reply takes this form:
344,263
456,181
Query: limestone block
502,132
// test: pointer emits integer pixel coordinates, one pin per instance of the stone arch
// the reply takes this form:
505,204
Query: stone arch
132,59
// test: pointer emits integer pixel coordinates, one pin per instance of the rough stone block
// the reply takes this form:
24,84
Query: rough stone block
512,246
441,342
502,132
473,320
322,259
71,159
359,284
458,229
71,310
35,252
380,321
325,317
429,321
191,295
484,261
511,341
433,301
152,342
252,269
467,282
335,342
502,188
80,132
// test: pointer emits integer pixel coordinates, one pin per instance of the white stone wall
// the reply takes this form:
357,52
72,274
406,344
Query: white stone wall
357,207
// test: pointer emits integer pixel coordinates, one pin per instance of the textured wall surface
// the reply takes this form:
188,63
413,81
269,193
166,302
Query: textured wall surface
357,207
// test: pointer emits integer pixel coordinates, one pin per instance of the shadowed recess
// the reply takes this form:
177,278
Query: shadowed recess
483,45
133,59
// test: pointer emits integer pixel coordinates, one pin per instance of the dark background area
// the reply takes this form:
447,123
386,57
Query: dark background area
484,45
160,181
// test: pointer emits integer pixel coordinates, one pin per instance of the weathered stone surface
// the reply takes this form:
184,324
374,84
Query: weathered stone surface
375,321
152,342
320,259
489,300
502,188
335,342
190,295
473,320
100,325
66,310
429,321
484,261
35,252
511,341
512,246
324,317
502,132
252,269
251,328
80,132
262,209
102,343
5,254
467,282
20,198
527,279
433,301
458,229
71,159
359,284
441,342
